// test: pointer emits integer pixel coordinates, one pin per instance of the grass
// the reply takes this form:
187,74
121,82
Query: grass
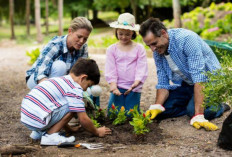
22,38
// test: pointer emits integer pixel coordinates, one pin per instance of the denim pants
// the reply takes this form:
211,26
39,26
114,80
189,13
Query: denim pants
181,102
56,116
59,68
128,101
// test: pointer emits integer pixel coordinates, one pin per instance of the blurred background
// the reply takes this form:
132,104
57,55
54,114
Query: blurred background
37,21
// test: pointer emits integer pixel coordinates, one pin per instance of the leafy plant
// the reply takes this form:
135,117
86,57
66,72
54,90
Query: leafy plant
113,112
211,34
100,114
95,122
121,117
34,54
218,89
134,112
140,124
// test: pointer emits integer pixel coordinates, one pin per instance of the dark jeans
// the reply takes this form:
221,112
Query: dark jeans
181,102
128,101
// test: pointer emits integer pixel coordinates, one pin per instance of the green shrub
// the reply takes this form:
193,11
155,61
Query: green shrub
210,35
218,89
210,14
34,54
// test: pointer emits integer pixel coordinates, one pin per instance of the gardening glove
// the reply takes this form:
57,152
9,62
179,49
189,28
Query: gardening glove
199,121
154,110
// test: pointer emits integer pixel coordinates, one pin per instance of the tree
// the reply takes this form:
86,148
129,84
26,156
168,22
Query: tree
60,11
37,21
28,16
11,15
176,13
134,8
46,16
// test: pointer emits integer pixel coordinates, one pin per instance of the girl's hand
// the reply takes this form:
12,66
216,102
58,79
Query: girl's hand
116,92
134,85
114,89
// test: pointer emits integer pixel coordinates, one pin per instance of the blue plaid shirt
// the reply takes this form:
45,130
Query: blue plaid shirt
56,49
191,55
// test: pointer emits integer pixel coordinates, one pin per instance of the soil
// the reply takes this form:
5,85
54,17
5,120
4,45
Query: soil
170,137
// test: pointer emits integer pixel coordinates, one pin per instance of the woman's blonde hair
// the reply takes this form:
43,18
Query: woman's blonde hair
79,23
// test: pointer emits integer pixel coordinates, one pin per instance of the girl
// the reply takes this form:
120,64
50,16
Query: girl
126,65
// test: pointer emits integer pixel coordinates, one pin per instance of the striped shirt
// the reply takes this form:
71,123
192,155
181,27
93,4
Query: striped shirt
192,56
38,105
56,49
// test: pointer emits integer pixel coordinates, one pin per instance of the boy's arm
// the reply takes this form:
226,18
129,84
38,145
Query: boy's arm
89,126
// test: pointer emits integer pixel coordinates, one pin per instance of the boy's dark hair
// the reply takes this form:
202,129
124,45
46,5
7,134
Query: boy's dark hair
134,35
88,67
153,25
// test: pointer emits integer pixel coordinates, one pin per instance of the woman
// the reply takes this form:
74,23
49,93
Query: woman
60,54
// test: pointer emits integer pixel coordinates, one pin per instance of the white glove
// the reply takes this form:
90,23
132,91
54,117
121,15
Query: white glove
96,90
199,121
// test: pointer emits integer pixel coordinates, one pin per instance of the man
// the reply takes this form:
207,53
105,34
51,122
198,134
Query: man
181,57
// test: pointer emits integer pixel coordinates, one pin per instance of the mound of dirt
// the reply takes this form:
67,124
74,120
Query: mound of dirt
123,134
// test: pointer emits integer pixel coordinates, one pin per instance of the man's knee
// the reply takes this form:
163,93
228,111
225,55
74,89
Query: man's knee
190,111
59,68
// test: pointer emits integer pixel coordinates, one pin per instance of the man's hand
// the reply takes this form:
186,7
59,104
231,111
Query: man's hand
199,121
154,110
102,131
114,89
134,85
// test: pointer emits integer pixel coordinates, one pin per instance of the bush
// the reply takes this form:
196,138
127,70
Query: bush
218,88
34,54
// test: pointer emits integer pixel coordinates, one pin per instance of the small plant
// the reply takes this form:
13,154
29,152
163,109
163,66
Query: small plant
113,112
140,124
100,114
34,54
134,112
95,123
121,117
218,88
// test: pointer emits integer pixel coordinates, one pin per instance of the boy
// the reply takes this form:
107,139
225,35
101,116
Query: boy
51,105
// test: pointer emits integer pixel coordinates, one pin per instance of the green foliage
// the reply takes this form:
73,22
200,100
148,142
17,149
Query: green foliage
134,112
225,24
121,117
210,14
34,54
218,89
210,35
100,114
191,20
95,122
140,124
113,112
106,41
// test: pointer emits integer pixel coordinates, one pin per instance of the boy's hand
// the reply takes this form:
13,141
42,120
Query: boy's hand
102,131
134,85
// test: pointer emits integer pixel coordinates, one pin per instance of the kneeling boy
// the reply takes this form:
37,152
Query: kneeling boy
48,107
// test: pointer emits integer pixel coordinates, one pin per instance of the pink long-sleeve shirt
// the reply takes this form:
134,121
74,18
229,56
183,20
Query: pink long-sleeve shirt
124,68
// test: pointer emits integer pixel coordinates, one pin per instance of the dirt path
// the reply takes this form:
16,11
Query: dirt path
181,139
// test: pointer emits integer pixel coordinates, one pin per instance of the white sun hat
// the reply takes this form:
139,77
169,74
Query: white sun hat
125,21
